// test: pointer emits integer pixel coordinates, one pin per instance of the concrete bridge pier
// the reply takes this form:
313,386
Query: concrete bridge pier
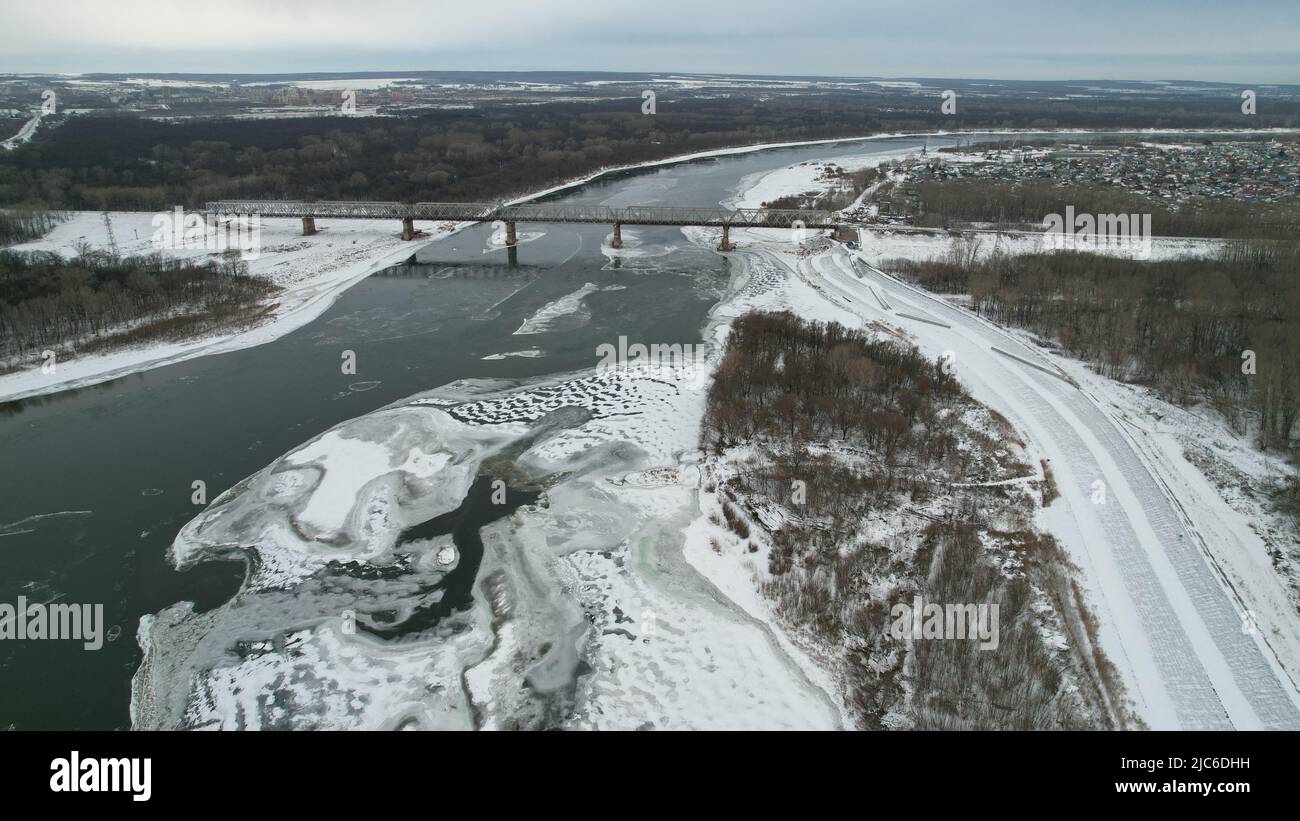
726,240
511,238
618,236
308,226
408,228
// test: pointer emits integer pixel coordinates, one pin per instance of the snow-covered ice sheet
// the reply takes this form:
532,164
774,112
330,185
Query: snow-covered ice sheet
585,611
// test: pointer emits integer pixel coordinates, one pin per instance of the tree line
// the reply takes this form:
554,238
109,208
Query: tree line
1025,204
814,381
78,305
24,224
827,429
1223,329
128,162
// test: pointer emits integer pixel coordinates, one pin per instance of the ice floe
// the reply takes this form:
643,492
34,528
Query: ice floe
566,313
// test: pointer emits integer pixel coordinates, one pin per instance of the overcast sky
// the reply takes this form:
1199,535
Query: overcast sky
1255,41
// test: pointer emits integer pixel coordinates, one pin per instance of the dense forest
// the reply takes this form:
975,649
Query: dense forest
493,150
873,429
835,382
92,301
1183,326
137,164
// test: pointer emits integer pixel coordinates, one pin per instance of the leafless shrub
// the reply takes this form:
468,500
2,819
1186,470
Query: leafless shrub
1050,492
735,520
896,450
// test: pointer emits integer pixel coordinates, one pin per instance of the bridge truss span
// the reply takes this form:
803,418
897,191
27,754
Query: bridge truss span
725,218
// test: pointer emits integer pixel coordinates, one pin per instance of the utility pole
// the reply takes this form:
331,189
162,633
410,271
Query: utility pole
112,241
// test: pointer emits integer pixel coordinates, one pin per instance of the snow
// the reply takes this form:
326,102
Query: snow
346,495
804,177
607,543
1153,557
158,82
567,311
530,353
1166,619
684,667
617,566
24,134
880,245
337,84
1233,529
366,684
346,465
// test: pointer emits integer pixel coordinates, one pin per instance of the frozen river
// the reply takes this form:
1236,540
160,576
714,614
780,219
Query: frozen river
96,483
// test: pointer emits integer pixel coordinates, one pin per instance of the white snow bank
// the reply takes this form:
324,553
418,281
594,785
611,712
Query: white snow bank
312,271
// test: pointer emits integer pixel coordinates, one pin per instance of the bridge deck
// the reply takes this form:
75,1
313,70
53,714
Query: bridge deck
530,212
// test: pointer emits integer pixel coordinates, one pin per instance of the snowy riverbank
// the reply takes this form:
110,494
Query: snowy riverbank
1180,559
313,271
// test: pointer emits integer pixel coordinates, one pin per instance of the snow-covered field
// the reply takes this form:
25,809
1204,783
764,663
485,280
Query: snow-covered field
879,245
801,178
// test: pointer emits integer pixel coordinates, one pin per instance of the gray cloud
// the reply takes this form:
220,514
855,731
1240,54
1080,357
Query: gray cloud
1249,41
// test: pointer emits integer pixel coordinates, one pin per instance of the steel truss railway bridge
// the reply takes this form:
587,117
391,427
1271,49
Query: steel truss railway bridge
510,215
